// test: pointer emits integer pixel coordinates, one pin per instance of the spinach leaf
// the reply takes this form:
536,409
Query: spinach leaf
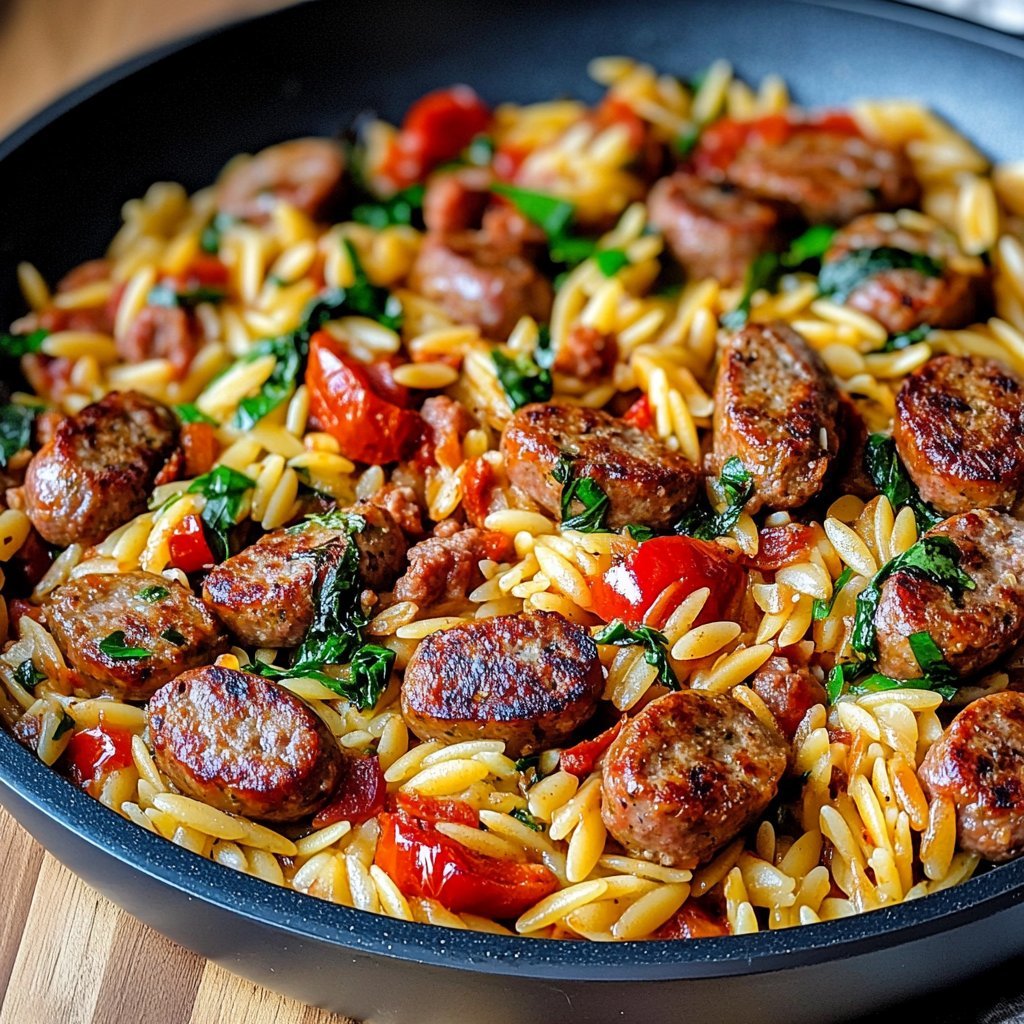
610,261
839,278
113,646
549,213
823,609
402,208
523,815
189,412
857,678
15,430
172,636
224,489
887,473
686,142
898,342
277,388
209,241
737,485
929,657
639,532
28,676
521,378
583,490
14,346
166,295
808,247
153,594
932,558
65,725
653,642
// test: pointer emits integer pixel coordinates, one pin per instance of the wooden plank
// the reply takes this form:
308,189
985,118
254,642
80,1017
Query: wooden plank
22,859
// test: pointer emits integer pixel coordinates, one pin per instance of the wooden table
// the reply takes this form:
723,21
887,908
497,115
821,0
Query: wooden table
67,955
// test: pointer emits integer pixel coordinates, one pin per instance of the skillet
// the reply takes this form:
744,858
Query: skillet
178,113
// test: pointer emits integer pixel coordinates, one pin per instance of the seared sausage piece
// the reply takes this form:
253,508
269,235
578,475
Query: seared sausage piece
97,471
265,593
789,690
686,775
243,744
529,679
776,409
455,201
979,765
959,430
712,230
902,299
478,282
155,614
827,176
161,332
985,624
306,173
645,481
446,567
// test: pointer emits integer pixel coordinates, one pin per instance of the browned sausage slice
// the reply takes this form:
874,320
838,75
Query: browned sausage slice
979,765
789,690
985,624
713,231
644,480
306,173
959,430
264,594
161,332
687,774
153,613
243,744
97,471
904,298
776,409
528,679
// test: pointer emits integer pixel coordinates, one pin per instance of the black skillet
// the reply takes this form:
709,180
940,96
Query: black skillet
178,114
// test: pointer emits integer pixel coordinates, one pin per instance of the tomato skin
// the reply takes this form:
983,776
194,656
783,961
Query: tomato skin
692,921
615,111
95,752
639,414
200,445
367,427
437,127
360,795
434,808
628,589
478,482
189,549
423,862
508,159
780,545
581,759
205,271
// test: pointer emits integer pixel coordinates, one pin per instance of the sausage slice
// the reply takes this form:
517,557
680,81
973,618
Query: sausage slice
686,775
265,593
776,409
979,765
243,744
959,430
988,621
154,614
530,680
98,469
644,480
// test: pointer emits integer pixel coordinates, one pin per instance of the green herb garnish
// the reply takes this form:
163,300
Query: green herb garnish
686,141
189,412
841,277
523,815
610,261
737,485
14,346
209,241
65,725
898,342
823,609
549,213
583,490
402,208
168,296
172,636
224,489
521,378
653,642
16,423
888,474
153,594
28,676
113,646
930,659
639,532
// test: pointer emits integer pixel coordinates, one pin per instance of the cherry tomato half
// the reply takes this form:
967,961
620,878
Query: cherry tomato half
579,760
342,396
360,795
424,862
639,414
435,808
188,546
629,588
693,921
93,753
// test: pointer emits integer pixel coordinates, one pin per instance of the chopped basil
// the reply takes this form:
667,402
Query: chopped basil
888,474
898,342
737,485
224,489
839,278
113,646
821,609
653,642
930,658
189,412
836,681
810,246
524,764
166,295
277,388
639,532
583,490
856,677
521,378
686,141
549,213
65,725
402,208
610,261
27,675
15,430
153,594
172,636
14,346
934,558
523,815
210,239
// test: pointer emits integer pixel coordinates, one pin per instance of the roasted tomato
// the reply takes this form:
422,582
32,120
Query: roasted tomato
93,753
188,546
438,127
693,921
639,414
342,397
434,809
360,795
632,584
580,760
780,545
424,862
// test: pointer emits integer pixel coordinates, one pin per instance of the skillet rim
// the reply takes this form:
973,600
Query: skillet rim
305,917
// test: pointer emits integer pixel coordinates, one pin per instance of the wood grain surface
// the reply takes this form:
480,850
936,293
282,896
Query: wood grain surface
67,955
